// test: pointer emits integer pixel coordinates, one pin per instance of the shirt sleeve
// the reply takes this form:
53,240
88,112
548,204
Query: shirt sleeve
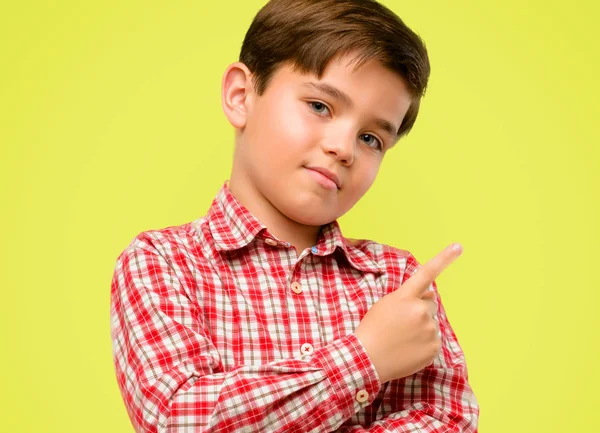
434,400
171,378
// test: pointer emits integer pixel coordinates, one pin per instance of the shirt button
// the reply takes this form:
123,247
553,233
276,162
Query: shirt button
306,349
296,287
271,242
314,250
362,396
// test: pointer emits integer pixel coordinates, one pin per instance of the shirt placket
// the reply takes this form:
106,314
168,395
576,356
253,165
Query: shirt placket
303,322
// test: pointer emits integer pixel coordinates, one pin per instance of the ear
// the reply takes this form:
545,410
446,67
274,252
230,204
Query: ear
236,93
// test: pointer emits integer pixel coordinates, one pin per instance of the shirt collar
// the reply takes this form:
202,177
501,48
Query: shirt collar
330,238
233,226
231,223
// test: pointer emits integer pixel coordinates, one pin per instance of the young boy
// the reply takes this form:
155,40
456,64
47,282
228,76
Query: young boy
261,316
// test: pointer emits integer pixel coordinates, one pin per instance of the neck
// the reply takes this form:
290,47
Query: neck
299,235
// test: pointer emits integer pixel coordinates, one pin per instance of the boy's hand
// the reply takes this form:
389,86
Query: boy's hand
400,331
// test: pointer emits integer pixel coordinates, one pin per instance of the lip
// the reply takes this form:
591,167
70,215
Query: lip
327,173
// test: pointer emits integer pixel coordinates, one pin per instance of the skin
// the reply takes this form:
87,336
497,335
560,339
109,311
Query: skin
292,126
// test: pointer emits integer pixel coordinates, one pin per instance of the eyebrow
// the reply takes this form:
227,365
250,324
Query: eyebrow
336,93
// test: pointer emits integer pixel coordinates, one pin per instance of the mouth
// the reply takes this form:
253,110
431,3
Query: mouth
324,177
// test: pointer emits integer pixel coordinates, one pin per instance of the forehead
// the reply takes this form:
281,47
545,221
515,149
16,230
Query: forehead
344,72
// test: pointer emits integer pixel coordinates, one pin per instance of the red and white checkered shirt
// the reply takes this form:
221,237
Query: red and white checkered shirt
219,326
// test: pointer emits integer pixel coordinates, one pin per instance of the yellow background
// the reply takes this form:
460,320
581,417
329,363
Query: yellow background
111,124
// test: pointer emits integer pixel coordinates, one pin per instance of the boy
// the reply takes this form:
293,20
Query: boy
261,316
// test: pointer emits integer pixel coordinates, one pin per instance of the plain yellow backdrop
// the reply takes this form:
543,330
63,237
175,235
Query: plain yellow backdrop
111,124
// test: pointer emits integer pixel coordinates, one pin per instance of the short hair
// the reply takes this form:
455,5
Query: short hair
310,33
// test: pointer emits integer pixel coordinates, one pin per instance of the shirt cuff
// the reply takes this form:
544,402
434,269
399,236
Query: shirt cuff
354,382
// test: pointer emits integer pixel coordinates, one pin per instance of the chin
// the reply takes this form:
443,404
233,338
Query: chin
307,214
312,221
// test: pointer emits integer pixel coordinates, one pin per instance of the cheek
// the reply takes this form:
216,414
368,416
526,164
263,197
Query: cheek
289,126
364,176
371,174
295,123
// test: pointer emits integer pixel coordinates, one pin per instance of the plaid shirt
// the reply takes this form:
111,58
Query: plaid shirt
219,326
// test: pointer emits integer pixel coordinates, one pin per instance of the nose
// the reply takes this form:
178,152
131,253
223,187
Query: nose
341,147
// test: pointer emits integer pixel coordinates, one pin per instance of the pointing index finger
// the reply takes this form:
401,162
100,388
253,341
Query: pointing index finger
418,282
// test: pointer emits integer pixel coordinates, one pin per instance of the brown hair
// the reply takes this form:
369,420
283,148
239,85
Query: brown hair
310,33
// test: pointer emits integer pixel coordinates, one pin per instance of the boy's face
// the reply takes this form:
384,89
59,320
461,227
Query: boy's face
301,123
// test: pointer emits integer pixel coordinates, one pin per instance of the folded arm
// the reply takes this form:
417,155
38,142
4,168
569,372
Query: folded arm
171,376
436,399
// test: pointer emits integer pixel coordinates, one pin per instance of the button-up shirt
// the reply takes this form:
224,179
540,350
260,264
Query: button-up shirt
219,326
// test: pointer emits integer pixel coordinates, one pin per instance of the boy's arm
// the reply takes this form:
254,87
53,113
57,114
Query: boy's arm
435,399
171,376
